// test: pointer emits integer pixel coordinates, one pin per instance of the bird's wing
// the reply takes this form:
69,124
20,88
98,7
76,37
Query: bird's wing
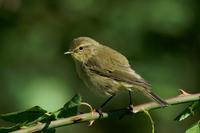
114,65
109,58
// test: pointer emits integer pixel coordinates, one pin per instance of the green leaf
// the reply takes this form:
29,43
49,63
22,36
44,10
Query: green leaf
24,116
6,129
71,107
48,117
9,129
194,129
188,111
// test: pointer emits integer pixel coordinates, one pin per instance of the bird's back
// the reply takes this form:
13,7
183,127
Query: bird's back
109,63
111,59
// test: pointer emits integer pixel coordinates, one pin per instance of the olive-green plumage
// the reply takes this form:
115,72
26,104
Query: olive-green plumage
106,70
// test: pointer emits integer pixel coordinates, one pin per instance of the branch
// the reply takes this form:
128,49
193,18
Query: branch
88,117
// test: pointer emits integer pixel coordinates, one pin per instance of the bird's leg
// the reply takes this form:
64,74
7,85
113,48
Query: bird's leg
99,110
130,99
106,101
130,107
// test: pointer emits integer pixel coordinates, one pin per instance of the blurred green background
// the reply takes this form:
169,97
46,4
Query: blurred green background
161,39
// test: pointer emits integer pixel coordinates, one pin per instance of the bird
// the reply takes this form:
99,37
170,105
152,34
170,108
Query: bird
107,71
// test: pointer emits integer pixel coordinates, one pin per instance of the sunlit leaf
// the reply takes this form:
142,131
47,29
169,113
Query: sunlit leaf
71,107
24,116
194,129
188,111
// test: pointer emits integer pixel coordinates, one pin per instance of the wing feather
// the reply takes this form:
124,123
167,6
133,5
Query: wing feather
115,66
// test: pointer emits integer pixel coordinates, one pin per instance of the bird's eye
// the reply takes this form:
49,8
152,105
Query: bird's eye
80,48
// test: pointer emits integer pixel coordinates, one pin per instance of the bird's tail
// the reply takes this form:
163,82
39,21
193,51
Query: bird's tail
155,97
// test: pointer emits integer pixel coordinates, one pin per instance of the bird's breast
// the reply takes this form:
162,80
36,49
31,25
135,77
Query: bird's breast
97,83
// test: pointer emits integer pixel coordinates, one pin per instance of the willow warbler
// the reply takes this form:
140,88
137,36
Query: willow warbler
106,70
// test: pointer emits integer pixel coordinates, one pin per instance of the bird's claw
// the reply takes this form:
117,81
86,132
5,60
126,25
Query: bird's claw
131,108
99,111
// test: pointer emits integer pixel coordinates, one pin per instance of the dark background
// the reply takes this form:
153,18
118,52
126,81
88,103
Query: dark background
161,39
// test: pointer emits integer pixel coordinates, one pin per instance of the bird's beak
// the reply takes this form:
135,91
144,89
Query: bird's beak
69,52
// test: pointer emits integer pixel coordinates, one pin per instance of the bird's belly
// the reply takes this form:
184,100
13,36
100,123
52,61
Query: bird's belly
103,85
97,83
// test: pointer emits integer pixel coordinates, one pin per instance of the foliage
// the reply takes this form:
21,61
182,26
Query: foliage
26,116
194,129
37,114
190,111
71,107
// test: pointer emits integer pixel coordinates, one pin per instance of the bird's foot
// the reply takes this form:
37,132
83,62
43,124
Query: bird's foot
131,108
129,111
100,112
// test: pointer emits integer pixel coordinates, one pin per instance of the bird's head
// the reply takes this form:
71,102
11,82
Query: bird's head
83,48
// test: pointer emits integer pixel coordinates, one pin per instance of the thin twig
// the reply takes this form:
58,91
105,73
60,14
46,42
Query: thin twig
87,117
